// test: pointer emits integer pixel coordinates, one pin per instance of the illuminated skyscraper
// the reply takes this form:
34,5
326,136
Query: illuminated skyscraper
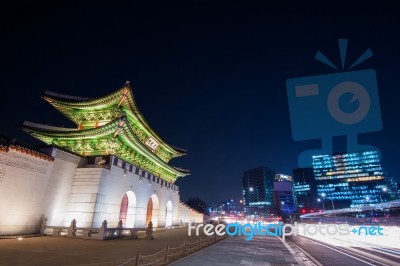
351,179
304,188
258,187
283,196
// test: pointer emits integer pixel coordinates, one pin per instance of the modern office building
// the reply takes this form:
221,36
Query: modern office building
283,197
398,190
304,189
258,187
392,188
351,179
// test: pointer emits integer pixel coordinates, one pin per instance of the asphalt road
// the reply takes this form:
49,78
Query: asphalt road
329,255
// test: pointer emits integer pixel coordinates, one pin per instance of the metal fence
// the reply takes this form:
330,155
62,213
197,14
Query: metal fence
172,253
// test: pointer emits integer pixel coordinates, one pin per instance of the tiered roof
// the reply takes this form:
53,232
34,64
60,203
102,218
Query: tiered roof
113,125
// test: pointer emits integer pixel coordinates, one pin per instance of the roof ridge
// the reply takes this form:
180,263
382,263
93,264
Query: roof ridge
41,126
66,96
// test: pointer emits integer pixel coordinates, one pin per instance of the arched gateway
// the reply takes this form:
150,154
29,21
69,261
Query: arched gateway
128,209
168,214
153,209
119,150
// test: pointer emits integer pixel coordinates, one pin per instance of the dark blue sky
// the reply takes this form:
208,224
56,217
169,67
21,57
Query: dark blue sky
208,78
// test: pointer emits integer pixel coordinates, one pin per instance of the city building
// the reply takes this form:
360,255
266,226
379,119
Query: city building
283,197
392,188
258,187
398,190
304,189
351,179
112,166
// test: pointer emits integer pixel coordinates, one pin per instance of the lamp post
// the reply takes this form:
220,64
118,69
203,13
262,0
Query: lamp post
368,198
333,206
323,195
323,205
251,209
384,189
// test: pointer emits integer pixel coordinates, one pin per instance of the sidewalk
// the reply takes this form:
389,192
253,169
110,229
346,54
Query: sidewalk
260,250
64,251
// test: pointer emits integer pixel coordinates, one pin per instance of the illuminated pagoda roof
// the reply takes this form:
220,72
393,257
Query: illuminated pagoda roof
110,125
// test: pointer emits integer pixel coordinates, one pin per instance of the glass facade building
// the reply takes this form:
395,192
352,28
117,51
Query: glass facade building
351,179
304,188
283,197
258,188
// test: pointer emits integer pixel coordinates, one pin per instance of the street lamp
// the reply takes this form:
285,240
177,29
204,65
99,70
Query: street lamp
368,198
323,195
283,208
333,206
323,205
384,189
251,189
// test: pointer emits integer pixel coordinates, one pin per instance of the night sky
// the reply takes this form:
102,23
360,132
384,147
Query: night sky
208,78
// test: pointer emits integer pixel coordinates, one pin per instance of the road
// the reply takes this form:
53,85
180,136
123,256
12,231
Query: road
346,253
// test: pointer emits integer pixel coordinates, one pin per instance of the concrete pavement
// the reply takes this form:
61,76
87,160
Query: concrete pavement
261,250
66,251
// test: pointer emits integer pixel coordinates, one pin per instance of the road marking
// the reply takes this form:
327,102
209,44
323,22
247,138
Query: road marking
369,245
308,255
344,253
294,254
387,250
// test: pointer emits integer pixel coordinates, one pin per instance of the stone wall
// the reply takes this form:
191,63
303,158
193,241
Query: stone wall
97,193
187,214
23,183
58,186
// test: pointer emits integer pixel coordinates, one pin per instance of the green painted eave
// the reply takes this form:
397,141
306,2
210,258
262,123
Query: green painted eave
117,134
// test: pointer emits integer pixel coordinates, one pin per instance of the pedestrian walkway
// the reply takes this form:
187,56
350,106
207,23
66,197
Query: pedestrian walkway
260,250
49,250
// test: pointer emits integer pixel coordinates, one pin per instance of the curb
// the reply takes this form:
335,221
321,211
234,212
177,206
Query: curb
294,254
20,236
307,255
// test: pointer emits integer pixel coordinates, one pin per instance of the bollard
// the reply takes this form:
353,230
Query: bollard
166,253
137,258
185,247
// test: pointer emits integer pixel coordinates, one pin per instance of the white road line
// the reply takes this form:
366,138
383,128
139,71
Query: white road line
308,255
386,250
348,255
294,254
